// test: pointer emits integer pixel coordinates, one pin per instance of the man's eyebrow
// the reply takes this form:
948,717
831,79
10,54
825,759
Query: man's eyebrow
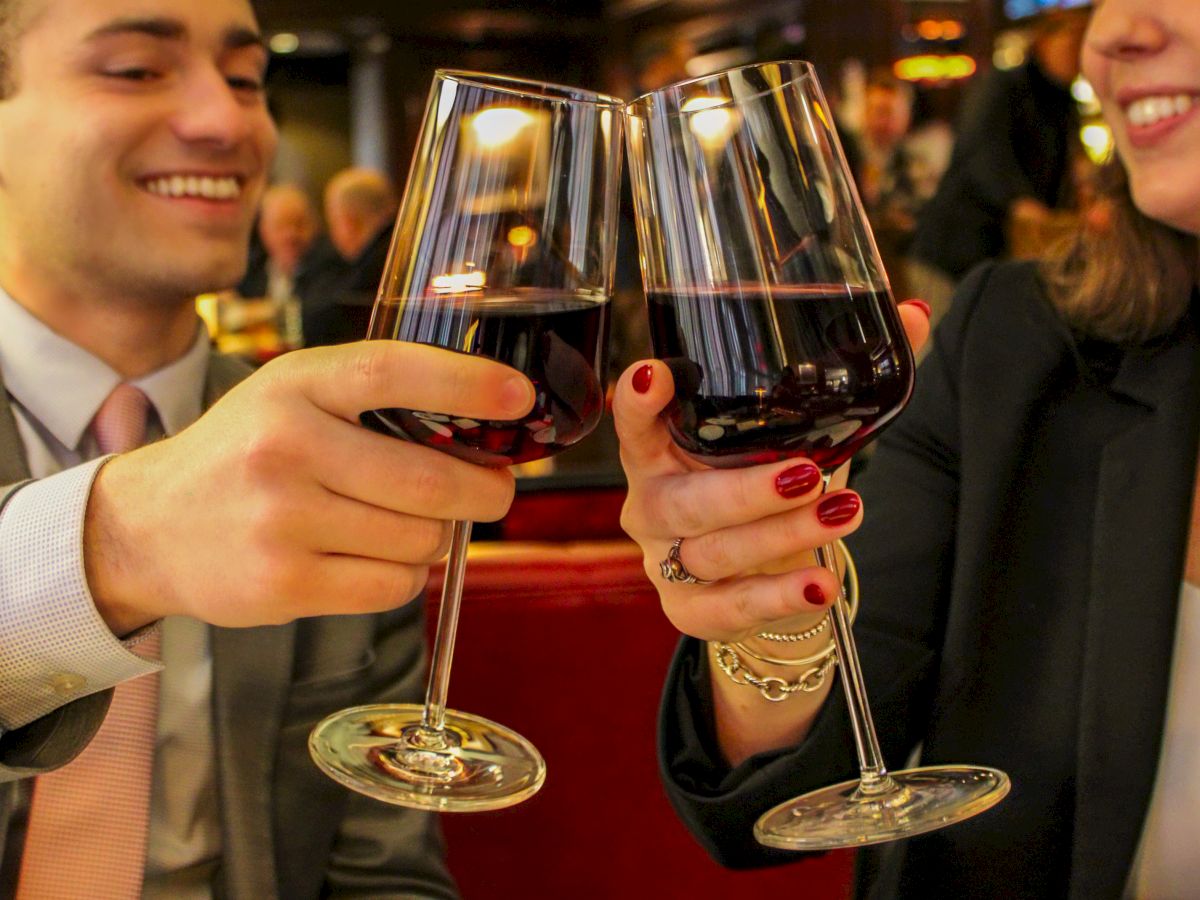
234,38
170,29
239,36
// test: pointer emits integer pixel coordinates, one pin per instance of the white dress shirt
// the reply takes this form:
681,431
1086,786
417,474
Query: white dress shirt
1168,863
56,646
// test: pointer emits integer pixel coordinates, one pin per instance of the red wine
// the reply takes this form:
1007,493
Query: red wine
556,339
810,371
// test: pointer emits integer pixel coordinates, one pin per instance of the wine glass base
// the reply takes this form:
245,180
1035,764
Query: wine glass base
383,751
923,800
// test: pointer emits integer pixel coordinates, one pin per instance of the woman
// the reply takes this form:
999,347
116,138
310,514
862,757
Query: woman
1027,530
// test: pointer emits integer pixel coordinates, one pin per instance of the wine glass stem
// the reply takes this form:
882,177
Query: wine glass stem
433,719
874,778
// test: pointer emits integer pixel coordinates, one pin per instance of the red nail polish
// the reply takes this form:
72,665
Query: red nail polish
814,595
641,378
797,480
925,307
838,509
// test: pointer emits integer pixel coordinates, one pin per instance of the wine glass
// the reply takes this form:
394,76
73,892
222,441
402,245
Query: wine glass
504,247
769,303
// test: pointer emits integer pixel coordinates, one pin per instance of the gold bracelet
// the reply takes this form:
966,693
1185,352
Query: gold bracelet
772,688
803,661
792,637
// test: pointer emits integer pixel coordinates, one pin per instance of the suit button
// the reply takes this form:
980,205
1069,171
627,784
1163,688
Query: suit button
67,683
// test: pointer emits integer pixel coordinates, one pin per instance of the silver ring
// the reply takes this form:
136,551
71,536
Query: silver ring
673,569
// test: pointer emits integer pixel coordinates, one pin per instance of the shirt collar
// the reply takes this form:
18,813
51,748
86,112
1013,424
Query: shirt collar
62,385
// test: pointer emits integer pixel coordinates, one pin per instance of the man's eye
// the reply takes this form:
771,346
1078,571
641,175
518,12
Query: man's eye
245,84
133,74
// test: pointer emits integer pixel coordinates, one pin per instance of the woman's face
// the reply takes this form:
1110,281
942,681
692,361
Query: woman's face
1143,59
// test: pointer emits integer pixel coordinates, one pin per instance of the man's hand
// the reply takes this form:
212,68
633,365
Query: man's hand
277,504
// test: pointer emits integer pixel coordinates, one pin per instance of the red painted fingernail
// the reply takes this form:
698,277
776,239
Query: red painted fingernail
814,595
924,307
641,378
838,509
797,480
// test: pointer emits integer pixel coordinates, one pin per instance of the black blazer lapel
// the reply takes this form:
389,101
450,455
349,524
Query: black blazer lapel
1139,545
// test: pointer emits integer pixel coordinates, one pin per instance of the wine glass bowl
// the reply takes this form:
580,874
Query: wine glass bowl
504,246
770,305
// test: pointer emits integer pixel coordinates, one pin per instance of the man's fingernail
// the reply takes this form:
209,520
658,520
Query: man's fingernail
516,393
642,378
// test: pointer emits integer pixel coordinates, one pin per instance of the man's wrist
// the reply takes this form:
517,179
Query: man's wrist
117,569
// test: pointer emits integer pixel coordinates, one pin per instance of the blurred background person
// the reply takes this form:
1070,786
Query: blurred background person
1013,162
360,208
287,233
897,169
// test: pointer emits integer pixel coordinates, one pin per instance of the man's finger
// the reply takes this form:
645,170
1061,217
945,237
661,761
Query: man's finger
349,379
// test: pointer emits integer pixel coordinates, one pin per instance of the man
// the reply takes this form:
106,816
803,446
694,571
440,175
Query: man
1012,161
360,207
289,253
287,227
134,143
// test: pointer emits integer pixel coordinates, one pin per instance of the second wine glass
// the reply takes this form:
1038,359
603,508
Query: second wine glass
504,247
770,305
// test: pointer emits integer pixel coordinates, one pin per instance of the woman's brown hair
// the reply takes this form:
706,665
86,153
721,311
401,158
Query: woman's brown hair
1123,277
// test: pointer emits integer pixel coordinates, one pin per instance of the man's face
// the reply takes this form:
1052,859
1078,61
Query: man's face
886,115
133,149
287,227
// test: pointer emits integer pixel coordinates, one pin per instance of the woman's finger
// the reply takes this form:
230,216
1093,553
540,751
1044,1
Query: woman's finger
736,609
697,503
914,314
729,552
642,392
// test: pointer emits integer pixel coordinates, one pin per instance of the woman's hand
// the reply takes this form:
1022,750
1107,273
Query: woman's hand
751,532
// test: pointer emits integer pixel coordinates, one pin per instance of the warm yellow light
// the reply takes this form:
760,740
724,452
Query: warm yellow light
284,42
710,120
952,31
933,67
208,308
1097,141
522,236
458,282
499,125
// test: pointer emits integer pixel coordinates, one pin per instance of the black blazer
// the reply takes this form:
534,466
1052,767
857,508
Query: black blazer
1023,547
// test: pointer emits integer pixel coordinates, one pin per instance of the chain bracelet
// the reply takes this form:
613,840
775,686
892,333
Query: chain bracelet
772,688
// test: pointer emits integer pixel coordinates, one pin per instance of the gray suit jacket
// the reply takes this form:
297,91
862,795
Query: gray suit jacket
287,830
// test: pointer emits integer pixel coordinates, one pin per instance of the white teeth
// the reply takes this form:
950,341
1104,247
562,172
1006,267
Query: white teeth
210,187
1149,110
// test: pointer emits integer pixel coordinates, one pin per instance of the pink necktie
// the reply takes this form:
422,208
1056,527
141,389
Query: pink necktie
89,820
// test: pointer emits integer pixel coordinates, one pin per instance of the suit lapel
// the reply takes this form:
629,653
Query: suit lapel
14,466
1139,545
252,669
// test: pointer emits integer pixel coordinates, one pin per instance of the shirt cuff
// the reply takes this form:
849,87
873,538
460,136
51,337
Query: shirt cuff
56,647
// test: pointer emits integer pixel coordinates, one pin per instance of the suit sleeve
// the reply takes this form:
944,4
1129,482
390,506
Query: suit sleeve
905,556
